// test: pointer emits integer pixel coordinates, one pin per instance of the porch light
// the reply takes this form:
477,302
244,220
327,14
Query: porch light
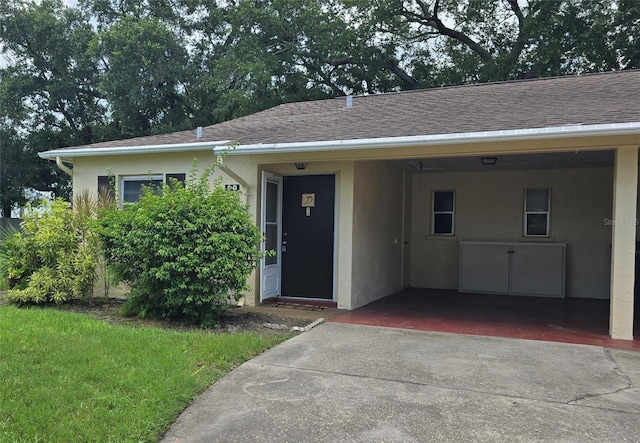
301,166
489,161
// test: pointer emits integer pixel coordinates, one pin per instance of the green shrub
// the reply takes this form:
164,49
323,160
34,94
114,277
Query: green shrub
9,254
185,251
53,259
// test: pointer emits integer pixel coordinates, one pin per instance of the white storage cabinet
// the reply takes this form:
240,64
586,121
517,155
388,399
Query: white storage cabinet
517,268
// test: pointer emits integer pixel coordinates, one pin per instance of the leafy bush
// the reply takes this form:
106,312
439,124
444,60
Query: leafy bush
8,254
53,259
185,251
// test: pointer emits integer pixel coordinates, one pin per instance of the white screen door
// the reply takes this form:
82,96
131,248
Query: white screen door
271,226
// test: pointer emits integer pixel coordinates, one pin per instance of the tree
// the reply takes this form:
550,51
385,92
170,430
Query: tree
54,94
625,31
47,95
239,62
144,76
21,169
11,161
51,82
447,42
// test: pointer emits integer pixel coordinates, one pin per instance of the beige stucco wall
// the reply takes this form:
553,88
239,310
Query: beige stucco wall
86,169
489,207
377,231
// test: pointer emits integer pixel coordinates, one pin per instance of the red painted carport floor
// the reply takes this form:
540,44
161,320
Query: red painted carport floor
568,320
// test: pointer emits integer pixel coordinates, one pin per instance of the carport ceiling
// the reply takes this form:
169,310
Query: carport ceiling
552,160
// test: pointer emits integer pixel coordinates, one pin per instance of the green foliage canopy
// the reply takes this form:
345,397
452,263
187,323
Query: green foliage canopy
148,94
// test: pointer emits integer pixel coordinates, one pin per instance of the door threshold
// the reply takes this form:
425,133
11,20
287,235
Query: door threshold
302,301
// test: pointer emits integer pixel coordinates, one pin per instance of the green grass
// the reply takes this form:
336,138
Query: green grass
67,377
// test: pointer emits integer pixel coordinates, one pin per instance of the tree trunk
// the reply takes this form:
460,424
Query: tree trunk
6,210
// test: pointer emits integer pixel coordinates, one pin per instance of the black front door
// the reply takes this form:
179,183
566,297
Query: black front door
307,236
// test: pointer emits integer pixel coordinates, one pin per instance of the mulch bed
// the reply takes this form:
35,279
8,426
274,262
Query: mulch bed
233,320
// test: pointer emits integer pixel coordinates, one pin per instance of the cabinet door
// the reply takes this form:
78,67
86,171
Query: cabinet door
537,270
484,267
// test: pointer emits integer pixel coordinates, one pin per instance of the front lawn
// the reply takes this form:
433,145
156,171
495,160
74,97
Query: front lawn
67,377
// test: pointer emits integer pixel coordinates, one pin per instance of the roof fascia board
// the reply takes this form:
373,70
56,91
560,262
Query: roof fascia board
567,131
126,150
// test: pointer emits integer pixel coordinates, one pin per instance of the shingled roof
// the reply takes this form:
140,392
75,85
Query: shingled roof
548,102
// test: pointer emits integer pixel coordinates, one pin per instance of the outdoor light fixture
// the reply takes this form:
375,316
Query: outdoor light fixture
489,160
301,166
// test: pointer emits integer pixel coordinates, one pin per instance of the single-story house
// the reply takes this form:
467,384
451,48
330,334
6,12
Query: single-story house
521,188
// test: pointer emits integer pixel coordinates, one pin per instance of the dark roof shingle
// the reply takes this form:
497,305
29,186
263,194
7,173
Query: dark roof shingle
585,99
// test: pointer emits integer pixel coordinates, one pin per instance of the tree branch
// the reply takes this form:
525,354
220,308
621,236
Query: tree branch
325,80
402,75
67,116
88,92
431,19
337,62
519,44
517,11
392,65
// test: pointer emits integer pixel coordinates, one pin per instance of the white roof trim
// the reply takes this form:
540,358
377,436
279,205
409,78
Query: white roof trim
125,150
572,130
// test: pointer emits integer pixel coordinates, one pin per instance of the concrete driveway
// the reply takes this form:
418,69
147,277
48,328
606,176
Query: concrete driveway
352,383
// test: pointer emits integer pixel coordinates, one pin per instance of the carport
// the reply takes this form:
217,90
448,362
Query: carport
560,295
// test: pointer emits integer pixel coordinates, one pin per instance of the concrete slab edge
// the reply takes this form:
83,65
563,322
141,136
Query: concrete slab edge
309,326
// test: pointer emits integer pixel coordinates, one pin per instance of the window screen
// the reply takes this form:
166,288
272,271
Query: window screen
536,212
443,212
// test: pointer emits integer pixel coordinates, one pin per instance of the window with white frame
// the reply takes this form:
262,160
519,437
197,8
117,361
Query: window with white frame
131,186
443,212
537,212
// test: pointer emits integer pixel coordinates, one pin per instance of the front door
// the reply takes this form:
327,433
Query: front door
307,236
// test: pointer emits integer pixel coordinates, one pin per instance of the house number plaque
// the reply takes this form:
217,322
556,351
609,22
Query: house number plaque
308,200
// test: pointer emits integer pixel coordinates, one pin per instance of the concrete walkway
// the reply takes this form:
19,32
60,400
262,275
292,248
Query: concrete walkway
352,383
